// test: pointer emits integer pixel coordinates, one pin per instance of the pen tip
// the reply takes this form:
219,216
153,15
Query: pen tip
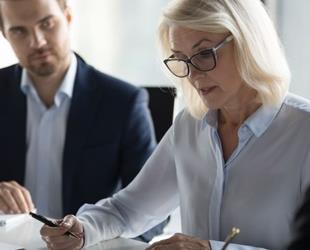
236,230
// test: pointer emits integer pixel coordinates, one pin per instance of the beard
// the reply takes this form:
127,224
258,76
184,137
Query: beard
44,62
43,69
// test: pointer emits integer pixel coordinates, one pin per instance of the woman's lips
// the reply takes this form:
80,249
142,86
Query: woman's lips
206,91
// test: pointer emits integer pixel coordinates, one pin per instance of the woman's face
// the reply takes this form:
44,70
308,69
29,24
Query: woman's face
219,87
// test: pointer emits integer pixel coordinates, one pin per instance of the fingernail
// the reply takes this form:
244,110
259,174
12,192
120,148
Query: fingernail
45,239
65,225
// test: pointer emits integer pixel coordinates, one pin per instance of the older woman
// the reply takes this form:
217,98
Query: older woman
238,155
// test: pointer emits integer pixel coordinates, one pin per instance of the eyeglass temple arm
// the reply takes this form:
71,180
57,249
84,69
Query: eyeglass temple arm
226,40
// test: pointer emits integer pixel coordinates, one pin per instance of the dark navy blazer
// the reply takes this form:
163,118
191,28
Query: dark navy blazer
302,225
108,138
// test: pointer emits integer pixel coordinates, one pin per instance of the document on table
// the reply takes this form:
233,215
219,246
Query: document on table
8,221
4,246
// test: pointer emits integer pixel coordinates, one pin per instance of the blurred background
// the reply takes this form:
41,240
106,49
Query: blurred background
119,38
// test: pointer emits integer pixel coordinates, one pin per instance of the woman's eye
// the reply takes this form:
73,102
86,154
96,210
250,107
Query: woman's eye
205,53
179,57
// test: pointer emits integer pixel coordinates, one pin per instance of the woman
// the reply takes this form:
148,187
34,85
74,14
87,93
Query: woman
238,155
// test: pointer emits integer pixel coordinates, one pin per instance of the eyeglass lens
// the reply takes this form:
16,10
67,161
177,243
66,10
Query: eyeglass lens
204,61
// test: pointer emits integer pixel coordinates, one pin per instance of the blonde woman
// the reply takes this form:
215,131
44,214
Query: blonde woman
238,155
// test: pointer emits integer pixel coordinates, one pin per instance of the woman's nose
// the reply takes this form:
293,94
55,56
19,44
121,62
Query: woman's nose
194,73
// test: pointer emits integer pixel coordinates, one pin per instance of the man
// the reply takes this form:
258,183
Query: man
69,134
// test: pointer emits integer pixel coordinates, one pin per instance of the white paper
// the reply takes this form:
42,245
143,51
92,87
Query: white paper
5,246
9,221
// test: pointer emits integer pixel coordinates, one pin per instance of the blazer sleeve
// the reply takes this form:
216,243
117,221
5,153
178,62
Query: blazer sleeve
138,138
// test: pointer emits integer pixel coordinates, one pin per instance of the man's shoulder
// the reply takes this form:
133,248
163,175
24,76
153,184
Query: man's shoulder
9,77
9,70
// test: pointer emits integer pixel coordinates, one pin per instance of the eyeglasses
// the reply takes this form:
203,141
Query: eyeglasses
204,60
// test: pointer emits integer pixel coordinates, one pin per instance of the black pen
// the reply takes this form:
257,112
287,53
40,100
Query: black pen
51,224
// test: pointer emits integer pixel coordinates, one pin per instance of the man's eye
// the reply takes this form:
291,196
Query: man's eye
18,32
47,24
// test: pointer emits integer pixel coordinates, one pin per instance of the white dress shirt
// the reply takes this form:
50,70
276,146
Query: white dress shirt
257,189
45,137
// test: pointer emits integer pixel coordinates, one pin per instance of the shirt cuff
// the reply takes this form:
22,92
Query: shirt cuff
217,245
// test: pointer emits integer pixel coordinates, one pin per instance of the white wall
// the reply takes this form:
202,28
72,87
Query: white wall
7,56
293,21
118,37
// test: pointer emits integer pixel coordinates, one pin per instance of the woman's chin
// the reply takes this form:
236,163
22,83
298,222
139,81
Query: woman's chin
211,104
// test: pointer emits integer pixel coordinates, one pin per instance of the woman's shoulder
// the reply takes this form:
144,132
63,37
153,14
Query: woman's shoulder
298,103
184,119
296,108
186,127
294,116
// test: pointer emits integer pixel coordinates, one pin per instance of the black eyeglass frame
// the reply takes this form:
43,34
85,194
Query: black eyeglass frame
187,61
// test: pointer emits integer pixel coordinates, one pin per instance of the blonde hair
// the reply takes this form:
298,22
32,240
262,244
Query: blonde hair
259,55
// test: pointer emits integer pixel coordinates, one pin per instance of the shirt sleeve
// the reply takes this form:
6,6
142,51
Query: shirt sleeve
305,173
217,245
145,202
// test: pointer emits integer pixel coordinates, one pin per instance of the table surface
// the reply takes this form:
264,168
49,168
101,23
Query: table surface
26,234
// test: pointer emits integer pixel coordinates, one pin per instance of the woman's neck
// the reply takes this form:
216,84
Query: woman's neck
235,114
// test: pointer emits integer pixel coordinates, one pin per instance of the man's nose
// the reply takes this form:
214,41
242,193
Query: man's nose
38,39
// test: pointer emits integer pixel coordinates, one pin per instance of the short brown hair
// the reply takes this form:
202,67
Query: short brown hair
62,3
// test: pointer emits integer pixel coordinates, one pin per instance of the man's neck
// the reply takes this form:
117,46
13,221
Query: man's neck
47,86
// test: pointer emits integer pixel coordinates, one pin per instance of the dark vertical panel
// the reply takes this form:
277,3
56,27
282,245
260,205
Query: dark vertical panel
161,106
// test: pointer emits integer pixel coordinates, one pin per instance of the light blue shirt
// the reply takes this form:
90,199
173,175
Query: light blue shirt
257,190
45,137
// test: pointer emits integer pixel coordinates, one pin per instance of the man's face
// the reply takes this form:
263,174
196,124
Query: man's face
38,31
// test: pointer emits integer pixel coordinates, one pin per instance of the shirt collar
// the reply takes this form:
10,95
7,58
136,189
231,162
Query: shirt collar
65,89
258,122
211,118
261,119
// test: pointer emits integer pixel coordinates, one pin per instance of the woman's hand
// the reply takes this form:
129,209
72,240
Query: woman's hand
181,242
56,237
